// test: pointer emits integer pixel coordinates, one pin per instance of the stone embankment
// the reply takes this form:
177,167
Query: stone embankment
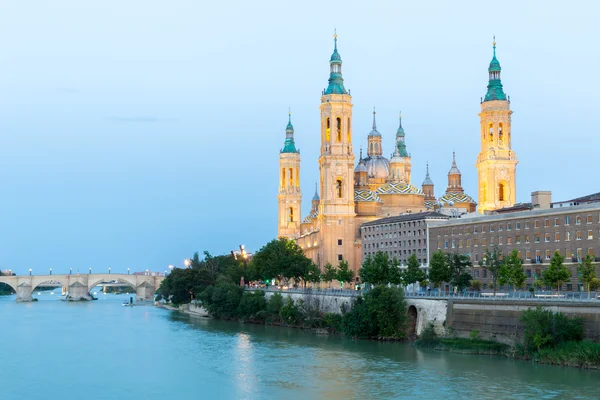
192,309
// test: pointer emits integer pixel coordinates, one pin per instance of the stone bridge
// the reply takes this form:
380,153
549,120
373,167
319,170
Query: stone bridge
79,285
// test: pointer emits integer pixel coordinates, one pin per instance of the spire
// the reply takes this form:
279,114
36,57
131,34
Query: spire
400,143
427,180
495,91
374,132
289,146
336,82
360,157
316,196
454,169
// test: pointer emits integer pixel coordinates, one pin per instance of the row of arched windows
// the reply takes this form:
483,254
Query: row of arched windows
338,130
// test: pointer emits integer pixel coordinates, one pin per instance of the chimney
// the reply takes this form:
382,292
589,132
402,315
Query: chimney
541,199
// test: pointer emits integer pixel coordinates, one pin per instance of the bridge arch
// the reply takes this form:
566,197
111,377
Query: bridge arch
10,281
109,278
41,282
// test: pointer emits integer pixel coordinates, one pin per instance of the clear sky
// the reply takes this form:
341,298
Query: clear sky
133,133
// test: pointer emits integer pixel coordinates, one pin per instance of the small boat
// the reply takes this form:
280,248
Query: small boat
126,304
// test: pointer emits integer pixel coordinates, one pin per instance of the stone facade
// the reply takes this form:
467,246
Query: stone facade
536,235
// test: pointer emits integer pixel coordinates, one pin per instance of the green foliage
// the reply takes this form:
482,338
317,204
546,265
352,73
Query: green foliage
253,306
457,265
222,300
428,337
183,284
274,306
474,346
344,273
492,261
313,274
476,285
474,335
512,271
595,284
587,271
438,269
556,274
545,329
381,313
329,273
281,258
380,270
413,272
290,313
585,354
332,322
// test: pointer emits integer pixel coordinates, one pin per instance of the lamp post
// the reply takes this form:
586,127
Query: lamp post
50,271
70,271
30,271
147,273
90,270
127,271
245,260
187,262
109,270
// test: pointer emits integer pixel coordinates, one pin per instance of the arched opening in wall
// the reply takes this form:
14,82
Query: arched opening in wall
349,132
7,288
107,286
483,193
297,177
291,177
412,321
282,177
501,192
291,215
338,185
49,289
327,130
491,135
339,129
500,133
370,148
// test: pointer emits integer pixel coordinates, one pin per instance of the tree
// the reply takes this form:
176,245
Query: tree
457,265
344,273
557,273
380,270
492,261
313,274
329,273
512,271
413,273
438,269
281,258
586,271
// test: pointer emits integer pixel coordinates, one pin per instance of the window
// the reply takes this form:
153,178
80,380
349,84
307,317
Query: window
501,192
339,129
475,242
578,235
339,188
537,238
579,254
518,239
528,255
526,224
483,242
547,254
499,227
508,240
557,236
491,228
591,251
547,238
567,236
528,273
460,244
568,253
555,221
526,238
508,226
546,223
340,258
589,219
518,226
538,256
500,242
578,220
568,220
519,254
536,224
468,242
291,217
328,132
590,235
339,242
475,230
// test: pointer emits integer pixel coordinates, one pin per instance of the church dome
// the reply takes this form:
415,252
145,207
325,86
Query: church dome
377,167
360,167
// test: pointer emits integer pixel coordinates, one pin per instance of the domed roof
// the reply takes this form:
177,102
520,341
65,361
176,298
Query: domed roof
316,196
398,188
361,167
454,169
365,195
377,166
427,180
374,132
456,198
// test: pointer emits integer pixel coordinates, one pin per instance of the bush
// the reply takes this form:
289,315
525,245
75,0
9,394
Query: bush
332,322
358,322
311,312
252,306
545,329
585,354
476,285
474,335
222,301
274,305
290,312
428,337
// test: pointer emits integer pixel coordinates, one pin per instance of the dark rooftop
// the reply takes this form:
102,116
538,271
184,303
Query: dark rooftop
407,217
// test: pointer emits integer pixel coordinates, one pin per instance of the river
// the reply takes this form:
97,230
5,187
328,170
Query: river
101,350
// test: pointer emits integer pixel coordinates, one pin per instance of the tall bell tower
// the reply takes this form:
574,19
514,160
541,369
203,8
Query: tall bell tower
336,166
497,162
289,195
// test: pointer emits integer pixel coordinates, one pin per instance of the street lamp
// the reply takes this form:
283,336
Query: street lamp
90,270
147,273
70,271
245,260
109,270
187,262
127,271
50,271
29,271
171,268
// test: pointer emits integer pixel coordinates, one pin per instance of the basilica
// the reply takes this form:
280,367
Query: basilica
357,191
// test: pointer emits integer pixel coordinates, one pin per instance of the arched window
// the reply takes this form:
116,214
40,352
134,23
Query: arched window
500,132
491,132
371,147
338,185
282,177
501,192
484,194
339,129
349,132
297,177
291,217
327,130
291,176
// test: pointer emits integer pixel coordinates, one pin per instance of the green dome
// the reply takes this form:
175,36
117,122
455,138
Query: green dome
336,82
495,90
289,146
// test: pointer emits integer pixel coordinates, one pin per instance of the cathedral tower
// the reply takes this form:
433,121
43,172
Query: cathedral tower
497,162
336,166
289,196
428,187
400,163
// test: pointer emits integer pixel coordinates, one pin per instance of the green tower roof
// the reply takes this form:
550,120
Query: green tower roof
400,144
495,91
289,146
336,82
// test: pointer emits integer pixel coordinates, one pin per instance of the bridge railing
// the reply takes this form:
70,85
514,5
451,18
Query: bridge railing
580,297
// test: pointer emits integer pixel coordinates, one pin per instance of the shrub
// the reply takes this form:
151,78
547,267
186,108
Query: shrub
545,329
585,354
358,322
474,335
332,322
428,337
274,306
290,312
252,306
476,285
222,301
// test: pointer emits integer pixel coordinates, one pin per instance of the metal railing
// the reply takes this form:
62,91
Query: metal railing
593,297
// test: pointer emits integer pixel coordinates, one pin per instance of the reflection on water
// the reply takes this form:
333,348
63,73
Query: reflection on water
106,351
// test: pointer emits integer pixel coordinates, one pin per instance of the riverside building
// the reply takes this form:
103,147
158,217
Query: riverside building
535,233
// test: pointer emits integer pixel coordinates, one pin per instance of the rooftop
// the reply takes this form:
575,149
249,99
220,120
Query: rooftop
407,217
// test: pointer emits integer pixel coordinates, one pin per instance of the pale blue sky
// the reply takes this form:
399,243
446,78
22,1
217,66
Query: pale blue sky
133,133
